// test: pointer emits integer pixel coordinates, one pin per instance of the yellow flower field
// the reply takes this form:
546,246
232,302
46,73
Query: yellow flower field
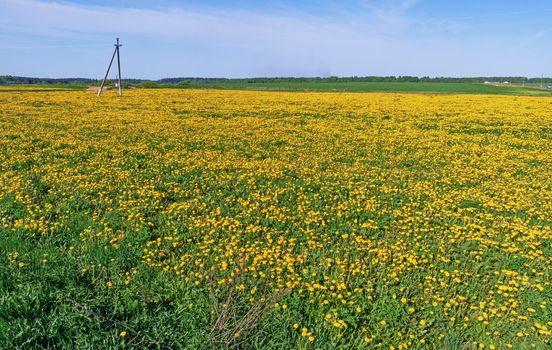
209,218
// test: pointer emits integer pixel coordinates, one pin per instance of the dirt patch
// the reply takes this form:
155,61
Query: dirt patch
97,88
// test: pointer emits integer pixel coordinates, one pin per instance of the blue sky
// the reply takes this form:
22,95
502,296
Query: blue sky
228,38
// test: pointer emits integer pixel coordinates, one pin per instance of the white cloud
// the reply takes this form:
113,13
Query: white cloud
195,25
393,14
297,44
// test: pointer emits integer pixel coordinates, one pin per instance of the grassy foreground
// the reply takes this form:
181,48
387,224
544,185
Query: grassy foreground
246,219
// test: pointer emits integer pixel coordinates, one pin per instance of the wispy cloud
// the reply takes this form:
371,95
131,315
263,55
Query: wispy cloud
505,14
225,27
40,47
393,14
284,43
192,24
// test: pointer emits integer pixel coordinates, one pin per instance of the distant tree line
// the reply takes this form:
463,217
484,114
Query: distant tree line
374,79
8,79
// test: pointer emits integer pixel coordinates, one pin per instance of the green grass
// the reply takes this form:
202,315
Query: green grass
57,304
439,88
449,88
42,87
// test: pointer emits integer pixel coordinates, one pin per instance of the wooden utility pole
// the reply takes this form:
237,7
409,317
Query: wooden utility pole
116,52
117,46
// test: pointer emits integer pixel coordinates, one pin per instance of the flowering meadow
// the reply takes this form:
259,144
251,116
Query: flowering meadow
171,219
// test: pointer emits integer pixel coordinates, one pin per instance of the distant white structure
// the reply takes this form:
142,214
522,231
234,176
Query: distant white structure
497,83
